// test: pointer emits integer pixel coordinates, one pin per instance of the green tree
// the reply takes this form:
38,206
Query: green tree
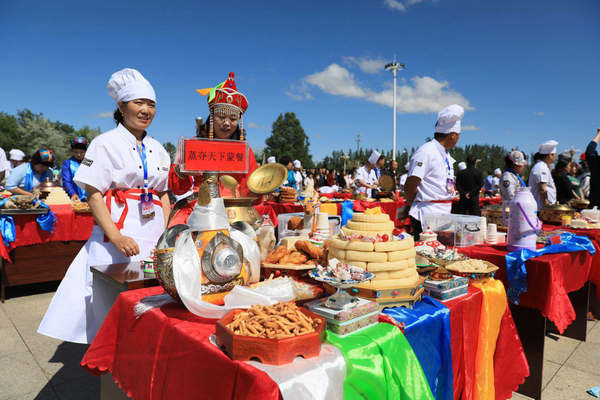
171,149
288,138
30,132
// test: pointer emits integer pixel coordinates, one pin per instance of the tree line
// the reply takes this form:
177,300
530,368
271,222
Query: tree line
29,132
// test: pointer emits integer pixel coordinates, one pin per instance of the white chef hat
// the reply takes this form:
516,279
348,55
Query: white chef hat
16,155
374,157
271,160
449,118
548,147
128,84
297,164
497,171
462,165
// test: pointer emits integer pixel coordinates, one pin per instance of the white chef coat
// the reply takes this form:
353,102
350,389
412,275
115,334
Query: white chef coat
433,165
367,177
403,178
540,173
4,163
111,162
299,179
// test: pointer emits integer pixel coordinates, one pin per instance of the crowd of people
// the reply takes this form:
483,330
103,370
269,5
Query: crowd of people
364,179
21,174
552,179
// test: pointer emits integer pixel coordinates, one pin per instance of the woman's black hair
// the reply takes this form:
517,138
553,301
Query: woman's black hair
37,159
118,116
560,166
285,160
508,162
203,131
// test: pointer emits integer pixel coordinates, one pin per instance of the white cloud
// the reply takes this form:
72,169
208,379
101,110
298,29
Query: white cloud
470,128
105,114
368,65
299,92
421,95
401,6
254,125
539,113
336,80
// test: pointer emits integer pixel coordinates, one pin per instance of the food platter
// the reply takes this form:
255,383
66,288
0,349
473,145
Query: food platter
267,178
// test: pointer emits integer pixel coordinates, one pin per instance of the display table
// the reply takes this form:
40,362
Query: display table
434,345
557,289
166,354
40,256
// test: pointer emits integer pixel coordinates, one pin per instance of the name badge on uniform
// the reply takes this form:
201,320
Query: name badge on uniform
147,205
450,185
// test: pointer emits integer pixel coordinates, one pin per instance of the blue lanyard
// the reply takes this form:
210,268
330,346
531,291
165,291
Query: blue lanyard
518,177
142,153
448,165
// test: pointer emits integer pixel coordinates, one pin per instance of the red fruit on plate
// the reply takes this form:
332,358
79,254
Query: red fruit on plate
385,237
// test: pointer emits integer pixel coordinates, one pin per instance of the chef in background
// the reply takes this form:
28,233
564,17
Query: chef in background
429,187
540,178
366,180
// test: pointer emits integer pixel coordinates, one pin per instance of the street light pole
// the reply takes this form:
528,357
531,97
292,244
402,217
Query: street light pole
394,67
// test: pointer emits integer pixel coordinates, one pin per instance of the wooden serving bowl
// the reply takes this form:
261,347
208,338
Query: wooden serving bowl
270,351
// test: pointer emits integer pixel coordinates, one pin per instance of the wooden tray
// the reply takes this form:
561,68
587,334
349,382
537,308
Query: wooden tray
270,351
295,267
18,211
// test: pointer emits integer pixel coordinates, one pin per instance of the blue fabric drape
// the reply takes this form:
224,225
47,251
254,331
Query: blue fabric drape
347,211
7,227
515,261
427,329
46,221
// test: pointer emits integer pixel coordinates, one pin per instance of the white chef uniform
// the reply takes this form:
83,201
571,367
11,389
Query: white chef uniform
111,162
540,173
434,166
367,177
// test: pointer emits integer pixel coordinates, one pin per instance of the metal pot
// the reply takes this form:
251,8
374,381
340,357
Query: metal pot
579,204
552,214
493,214
241,209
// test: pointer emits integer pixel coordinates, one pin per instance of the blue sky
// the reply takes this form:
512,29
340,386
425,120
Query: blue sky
528,71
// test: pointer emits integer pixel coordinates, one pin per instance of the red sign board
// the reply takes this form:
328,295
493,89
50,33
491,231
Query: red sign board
206,155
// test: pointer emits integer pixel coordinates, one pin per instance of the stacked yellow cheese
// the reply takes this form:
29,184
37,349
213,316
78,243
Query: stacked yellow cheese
392,261
57,195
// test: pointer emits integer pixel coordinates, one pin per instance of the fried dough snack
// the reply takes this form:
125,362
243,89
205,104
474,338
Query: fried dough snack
296,223
279,321
314,252
276,255
295,258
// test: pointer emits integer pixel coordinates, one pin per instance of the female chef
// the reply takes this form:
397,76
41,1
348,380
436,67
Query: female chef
227,106
511,179
27,176
124,173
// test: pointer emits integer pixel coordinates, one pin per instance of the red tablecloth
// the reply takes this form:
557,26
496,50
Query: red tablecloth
69,226
166,354
284,208
594,235
549,279
510,363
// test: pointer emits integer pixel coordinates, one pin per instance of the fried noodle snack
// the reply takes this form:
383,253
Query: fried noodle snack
279,321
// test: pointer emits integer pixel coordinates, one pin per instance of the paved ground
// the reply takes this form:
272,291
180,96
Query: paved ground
33,366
